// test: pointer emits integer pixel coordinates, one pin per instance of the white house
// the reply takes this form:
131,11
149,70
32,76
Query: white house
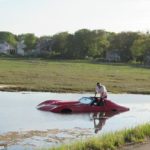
6,48
21,48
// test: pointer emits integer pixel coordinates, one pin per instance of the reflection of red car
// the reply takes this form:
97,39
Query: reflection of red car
101,117
82,105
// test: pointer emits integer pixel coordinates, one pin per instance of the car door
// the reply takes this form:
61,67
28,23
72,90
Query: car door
98,107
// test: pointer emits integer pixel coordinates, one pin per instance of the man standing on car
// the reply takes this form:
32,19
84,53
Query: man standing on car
101,89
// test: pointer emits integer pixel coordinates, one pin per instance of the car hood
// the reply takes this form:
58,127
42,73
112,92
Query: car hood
58,102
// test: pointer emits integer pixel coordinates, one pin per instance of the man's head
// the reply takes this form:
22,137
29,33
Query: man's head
98,84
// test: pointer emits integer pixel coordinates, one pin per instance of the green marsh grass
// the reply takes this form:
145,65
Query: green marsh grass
72,76
111,141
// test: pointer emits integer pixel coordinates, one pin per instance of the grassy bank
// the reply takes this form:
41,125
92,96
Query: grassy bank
111,141
72,76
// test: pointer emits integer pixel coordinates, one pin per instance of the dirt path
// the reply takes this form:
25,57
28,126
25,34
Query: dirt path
141,146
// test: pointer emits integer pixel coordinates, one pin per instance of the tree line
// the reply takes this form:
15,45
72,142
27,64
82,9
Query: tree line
84,43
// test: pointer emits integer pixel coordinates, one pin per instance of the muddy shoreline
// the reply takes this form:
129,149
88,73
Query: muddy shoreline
16,88
51,137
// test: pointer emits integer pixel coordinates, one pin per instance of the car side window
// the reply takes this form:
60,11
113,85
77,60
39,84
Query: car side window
85,100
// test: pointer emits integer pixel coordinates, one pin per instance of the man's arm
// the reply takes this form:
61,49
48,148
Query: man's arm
95,93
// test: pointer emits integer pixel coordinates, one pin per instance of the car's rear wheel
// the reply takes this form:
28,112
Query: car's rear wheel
66,111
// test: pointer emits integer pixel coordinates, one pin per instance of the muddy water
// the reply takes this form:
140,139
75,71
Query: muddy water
22,126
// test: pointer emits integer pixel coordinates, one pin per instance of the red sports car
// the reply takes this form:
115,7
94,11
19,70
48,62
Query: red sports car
84,104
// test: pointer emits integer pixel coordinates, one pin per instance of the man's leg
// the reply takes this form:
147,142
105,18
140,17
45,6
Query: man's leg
93,102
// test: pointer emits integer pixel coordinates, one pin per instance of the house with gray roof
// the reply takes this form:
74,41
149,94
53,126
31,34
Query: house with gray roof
6,48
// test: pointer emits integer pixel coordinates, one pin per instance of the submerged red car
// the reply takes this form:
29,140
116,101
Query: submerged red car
82,105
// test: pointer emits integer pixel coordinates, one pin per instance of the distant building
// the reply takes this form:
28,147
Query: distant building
43,47
112,56
21,48
6,48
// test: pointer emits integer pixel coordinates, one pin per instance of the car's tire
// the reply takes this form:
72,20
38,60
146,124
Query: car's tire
67,111
114,110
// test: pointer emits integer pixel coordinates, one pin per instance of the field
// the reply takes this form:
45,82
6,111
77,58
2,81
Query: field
71,76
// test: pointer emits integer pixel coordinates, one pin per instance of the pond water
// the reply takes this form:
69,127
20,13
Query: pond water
31,128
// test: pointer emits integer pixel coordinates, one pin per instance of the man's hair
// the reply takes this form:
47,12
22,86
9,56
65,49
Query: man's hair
98,83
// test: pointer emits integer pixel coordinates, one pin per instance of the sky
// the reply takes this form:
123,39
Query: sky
48,17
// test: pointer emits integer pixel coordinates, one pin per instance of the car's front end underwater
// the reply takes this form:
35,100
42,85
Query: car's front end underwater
57,106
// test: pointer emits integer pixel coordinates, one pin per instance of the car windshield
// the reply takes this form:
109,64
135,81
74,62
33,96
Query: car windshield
85,100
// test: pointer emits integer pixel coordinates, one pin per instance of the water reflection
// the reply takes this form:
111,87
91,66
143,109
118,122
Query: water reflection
99,119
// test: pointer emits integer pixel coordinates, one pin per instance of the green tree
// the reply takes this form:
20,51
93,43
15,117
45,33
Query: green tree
81,42
89,43
140,48
8,37
101,40
45,38
122,42
30,40
61,43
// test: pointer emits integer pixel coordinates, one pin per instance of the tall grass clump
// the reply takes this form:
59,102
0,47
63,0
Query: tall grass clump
138,134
